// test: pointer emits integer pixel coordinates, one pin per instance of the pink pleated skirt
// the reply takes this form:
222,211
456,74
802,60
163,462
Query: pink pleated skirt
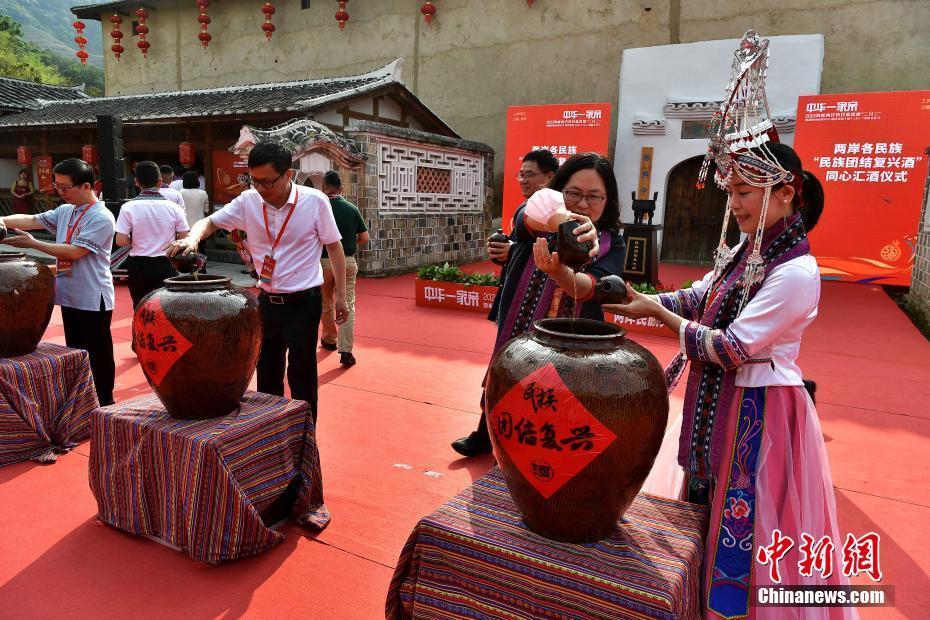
794,494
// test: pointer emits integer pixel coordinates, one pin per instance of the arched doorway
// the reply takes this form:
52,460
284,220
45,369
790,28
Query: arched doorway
691,227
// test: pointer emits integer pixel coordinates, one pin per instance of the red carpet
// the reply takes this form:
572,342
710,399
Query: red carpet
385,427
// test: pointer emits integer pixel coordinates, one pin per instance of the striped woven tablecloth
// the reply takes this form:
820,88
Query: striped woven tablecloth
474,558
207,487
46,399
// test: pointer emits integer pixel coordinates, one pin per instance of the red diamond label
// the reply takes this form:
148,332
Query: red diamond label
159,344
547,433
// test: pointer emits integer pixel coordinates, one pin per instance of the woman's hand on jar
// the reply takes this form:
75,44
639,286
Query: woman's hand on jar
586,232
637,306
547,262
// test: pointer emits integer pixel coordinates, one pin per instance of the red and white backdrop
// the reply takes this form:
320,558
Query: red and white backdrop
564,129
868,150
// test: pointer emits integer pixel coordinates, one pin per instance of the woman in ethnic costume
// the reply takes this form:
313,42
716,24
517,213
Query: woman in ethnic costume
750,442
535,283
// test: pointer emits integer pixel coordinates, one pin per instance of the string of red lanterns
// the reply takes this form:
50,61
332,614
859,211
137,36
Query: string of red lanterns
116,19
268,27
428,9
204,20
342,16
81,40
142,30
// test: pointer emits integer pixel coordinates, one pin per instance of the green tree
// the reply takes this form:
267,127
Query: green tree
22,60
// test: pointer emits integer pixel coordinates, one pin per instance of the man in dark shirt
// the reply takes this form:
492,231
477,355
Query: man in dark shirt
354,233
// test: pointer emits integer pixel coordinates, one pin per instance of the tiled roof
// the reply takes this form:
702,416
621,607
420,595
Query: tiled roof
93,10
20,95
297,96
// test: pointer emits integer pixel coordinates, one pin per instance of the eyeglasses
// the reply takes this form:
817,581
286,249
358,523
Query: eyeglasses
61,187
573,197
527,175
266,183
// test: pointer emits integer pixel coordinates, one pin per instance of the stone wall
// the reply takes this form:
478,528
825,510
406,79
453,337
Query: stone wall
420,231
480,56
920,280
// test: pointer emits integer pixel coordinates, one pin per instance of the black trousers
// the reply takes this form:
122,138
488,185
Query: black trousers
290,330
90,330
146,274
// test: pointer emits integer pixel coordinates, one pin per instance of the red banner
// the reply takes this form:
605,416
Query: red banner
867,149
564,129
546,431
229,176
44,173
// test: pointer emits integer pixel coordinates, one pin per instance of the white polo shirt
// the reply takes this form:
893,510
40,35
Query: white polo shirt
153,221
173,195
297,256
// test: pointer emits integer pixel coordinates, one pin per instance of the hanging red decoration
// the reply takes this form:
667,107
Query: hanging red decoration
81,40
24,155
529,3
89,154
204,20
268,27
186,154
342,16
142,30
428,9
116,19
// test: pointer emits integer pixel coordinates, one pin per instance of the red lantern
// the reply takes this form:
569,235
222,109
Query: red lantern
142,30
204,20
24,155
428,9
268,27
81,40
186,154
89,154
342,16
529,3
116,19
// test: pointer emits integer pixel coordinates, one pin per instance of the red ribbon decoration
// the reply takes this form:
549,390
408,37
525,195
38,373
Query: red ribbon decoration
116,19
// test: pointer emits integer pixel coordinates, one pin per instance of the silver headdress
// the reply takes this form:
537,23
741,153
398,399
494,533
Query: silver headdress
743,122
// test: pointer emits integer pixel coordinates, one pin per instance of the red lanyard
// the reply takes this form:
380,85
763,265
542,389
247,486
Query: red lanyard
73,228
283,226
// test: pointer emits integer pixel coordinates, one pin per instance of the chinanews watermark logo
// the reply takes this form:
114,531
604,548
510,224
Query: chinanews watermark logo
860,556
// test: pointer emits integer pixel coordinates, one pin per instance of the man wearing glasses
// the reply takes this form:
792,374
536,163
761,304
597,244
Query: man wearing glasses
287,225
83,229
537,170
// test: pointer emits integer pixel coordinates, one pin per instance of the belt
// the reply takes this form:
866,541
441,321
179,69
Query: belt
283,299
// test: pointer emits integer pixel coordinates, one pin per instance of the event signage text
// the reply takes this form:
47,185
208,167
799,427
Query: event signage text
564,129
868,150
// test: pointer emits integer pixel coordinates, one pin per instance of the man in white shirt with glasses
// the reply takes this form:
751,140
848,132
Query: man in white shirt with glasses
288,225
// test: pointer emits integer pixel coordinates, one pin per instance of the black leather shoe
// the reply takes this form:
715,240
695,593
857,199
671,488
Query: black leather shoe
473,445
328,346
347,359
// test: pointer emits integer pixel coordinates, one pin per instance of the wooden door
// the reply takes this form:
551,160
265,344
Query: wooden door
693,217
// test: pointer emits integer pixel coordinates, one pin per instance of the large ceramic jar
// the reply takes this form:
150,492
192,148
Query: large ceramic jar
577,413
198,340
27,298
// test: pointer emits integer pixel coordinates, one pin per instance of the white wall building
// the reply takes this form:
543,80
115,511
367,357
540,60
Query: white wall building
668,93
